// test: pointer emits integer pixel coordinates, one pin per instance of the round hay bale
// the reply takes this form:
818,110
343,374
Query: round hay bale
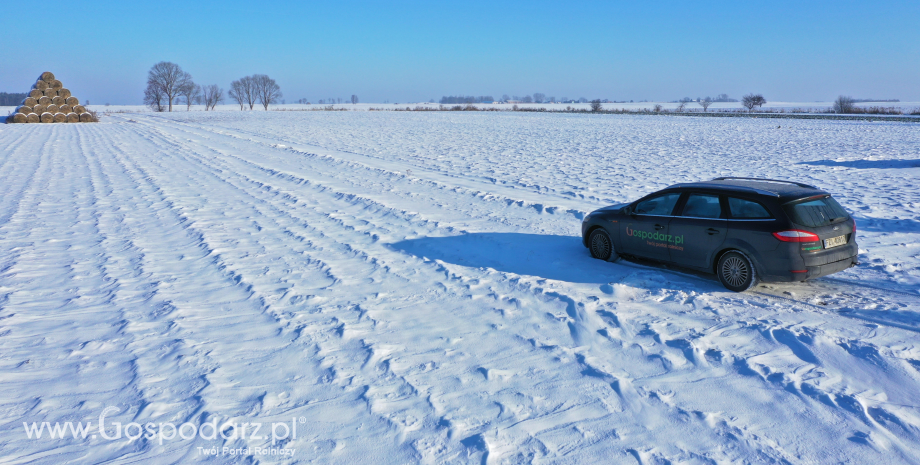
65,108
44,100
72,101
86,118
49,92
64,92
55,84
47,76
23,109
47,117
57,100
40,85
52,109
60,118
33,118
20,118
35,93
73,118
78,109
38,109
30,102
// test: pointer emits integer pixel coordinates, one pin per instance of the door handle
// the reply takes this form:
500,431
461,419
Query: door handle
712,231
659,227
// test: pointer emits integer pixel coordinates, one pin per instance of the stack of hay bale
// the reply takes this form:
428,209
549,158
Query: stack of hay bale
50,102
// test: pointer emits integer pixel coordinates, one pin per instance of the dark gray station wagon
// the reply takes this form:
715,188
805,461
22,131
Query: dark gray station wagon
744,230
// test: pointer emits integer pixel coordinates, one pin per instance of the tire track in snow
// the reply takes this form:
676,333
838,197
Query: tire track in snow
249,340
346,161
69,289
340,368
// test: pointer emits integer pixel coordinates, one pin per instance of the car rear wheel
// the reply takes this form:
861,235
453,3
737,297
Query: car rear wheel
601,246
736,272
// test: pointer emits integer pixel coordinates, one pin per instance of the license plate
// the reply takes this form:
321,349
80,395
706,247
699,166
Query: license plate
835,242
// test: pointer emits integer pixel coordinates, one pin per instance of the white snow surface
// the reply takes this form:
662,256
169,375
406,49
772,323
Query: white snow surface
413,288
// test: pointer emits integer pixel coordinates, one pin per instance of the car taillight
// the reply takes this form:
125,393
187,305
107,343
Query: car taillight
796,235
854,225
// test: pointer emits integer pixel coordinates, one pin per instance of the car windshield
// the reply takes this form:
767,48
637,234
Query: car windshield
815,213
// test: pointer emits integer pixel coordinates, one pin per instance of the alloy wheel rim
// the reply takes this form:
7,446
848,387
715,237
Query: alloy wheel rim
735,271
600,246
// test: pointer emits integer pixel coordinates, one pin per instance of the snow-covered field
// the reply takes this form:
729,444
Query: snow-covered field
411,287
817,107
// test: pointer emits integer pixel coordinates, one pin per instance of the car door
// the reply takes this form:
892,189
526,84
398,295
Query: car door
644,232
698,231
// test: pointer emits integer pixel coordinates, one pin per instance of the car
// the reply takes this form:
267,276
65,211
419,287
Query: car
745,230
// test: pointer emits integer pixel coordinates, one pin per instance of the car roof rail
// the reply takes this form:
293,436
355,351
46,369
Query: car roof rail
737,188
800,184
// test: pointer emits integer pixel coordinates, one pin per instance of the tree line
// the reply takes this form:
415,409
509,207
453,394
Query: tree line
168,83
11,100
466,99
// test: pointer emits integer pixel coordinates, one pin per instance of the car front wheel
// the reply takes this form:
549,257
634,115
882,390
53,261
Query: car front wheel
601,246
736,272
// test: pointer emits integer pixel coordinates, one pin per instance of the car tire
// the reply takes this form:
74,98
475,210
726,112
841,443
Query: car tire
601,246
736,272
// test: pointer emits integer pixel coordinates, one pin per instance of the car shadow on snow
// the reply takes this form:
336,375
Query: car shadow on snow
905,225
866,164
560,258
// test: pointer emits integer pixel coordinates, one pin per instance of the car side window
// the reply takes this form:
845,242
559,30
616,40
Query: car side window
747,209
702,206
662,205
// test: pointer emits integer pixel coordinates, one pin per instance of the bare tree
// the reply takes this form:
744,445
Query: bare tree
265,89
237,93
354,99
539,98
527,99
169,79
212,95
844,104
750,101
705,103
153,98
596,105
191,92
250,90
680,108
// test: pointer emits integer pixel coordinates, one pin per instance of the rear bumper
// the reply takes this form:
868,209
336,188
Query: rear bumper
829,268
785,274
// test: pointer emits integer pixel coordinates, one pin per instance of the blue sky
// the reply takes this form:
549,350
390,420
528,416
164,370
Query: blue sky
407,51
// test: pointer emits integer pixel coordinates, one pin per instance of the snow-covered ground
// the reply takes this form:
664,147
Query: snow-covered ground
411,287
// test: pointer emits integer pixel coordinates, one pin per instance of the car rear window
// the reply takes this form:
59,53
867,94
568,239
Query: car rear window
815,213
747,209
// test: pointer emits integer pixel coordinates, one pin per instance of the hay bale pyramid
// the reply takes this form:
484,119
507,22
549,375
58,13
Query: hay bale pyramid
50,102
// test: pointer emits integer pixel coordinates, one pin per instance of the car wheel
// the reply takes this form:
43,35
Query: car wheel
601,246
736,272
